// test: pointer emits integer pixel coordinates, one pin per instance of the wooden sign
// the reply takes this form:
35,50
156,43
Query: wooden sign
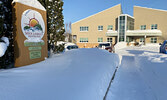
30,34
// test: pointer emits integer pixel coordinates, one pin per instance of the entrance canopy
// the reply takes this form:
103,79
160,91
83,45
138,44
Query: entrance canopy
143,33
137,33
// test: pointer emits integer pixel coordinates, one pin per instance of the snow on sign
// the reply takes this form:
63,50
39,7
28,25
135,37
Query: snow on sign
30,39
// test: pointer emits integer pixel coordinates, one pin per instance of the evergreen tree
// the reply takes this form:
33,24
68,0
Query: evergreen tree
6,29
55,22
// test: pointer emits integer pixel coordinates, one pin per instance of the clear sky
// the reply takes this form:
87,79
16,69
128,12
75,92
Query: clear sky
75,10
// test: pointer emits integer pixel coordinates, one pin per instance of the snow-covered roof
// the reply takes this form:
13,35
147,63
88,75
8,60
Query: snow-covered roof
32,3
144,32
111,33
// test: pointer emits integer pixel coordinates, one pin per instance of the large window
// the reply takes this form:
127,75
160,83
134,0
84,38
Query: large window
109,40
84,28
154,26
100,39
154,40
121,28
143,27
100,28
83,39
110,27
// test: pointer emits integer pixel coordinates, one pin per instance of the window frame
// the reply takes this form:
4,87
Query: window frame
143,27
83,40
110,27
154,40
142,40
154,26
84,28
109,39
100,39
100,28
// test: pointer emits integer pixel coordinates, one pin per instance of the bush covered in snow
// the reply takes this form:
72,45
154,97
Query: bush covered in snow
4,43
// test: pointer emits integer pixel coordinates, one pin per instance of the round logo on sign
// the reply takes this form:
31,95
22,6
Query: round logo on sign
33,26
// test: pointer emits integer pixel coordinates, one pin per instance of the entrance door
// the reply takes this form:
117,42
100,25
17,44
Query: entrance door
141,41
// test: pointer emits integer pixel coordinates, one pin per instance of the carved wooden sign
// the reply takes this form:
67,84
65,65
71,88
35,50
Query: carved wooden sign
30,32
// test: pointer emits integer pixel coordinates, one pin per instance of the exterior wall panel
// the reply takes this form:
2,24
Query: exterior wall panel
148,16
104,18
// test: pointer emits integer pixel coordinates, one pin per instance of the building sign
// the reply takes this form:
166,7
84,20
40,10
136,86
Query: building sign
33,28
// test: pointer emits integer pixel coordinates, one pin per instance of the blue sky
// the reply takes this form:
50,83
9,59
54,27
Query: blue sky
75,10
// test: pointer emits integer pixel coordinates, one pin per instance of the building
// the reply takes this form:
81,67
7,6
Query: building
111,25
68,37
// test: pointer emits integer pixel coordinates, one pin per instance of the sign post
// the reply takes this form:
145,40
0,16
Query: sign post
30,32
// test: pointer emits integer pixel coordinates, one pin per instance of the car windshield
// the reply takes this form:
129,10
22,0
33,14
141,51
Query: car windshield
105,44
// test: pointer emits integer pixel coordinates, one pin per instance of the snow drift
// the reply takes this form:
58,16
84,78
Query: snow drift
82,74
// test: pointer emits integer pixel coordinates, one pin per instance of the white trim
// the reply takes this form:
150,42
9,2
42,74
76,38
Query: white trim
126,15
95,14
126,18
83,31
118,30
93,42
150,8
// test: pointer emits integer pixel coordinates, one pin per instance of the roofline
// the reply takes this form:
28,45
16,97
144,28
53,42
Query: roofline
150,8
96,13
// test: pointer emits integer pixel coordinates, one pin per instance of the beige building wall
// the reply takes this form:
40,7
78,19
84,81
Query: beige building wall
104,18
149,16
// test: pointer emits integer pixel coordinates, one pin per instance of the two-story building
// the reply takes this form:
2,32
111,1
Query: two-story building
111,25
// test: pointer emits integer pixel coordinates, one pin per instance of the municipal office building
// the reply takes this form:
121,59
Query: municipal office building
147,25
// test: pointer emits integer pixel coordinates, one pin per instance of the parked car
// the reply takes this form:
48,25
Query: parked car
69,47
163,47
104,45
107,46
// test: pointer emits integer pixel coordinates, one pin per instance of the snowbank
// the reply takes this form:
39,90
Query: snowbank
120,45
32,3
82,74
6,40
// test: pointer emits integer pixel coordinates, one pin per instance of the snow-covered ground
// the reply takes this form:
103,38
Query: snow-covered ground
141,76
82,74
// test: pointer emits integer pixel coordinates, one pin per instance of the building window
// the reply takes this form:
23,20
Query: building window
109,40
100,39
143,27
84,28
153,40
83,39
110,27
100,28
154,26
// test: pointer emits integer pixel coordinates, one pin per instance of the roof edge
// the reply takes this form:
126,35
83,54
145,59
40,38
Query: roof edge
150,8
